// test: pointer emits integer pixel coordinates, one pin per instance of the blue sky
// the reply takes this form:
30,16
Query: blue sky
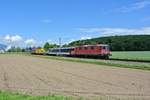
33,22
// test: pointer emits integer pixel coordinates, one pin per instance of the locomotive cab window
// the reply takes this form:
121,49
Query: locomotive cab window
105,47
102,47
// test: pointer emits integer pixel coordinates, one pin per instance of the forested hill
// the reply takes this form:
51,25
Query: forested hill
119,43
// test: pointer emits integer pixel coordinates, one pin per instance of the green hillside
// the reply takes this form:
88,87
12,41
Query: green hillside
119,43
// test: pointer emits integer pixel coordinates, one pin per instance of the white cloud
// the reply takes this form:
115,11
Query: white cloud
12,39
84,38
117,31
30,42
8,47
46,21
135,6
16,40
71,41
49,41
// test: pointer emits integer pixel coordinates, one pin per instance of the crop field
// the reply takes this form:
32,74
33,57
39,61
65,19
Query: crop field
132,55
36,76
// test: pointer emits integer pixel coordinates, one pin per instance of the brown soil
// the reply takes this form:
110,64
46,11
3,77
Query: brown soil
38,76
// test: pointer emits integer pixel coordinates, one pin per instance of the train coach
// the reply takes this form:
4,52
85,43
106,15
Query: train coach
101,51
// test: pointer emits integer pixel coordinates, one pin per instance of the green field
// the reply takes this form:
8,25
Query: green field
132,55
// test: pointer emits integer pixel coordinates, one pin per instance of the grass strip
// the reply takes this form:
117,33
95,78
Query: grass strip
97,62
17,96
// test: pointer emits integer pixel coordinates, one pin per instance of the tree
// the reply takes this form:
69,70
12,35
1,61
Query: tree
15,49
46,46
53,46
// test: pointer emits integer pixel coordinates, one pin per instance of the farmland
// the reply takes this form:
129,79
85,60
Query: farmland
37,76
132,55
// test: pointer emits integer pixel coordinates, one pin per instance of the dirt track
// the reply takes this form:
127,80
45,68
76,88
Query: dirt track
38,76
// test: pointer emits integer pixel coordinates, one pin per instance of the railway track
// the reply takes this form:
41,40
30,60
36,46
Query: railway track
127,61
130,60
117,60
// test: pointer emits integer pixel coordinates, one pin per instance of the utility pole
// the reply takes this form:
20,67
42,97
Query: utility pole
59,45
60,42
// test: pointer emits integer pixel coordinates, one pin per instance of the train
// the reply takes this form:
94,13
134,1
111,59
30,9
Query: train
99,50
38,51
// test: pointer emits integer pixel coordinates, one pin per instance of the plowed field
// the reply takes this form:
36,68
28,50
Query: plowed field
38,76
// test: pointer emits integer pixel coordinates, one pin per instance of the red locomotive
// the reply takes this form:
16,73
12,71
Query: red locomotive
100,50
